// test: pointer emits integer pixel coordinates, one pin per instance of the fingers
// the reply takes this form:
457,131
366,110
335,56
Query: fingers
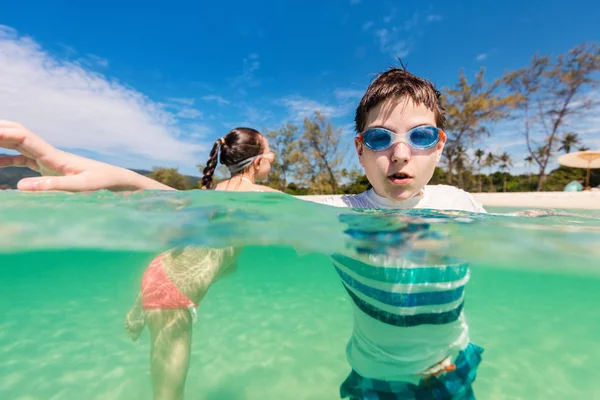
18,161
72,183
9,124
16,137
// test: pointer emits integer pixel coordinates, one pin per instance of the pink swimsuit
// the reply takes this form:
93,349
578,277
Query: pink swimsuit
158,292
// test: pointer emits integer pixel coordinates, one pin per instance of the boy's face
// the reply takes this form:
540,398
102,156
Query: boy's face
399,116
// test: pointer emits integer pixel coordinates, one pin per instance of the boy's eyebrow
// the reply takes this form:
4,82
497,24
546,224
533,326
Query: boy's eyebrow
383,126
394,129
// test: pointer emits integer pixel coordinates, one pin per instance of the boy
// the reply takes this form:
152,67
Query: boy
410,340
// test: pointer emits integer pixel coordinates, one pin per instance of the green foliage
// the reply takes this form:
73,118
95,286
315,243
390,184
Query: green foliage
296,190
320,155
439,177
469,108
563,175
358,184
170,177
569,141
285,144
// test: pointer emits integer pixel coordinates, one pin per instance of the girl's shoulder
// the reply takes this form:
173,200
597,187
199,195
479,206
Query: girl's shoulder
262,188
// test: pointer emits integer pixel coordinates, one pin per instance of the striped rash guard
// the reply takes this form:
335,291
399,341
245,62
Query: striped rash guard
408,317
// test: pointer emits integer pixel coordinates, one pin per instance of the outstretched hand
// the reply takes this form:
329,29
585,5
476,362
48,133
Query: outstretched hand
61,170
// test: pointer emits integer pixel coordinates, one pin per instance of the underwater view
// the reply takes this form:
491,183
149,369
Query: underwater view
277,328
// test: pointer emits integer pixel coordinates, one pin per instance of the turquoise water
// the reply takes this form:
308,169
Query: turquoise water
70,267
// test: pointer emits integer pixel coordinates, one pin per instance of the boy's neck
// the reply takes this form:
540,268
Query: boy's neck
386,202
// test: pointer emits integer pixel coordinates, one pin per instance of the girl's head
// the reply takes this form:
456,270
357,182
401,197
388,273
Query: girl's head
244,151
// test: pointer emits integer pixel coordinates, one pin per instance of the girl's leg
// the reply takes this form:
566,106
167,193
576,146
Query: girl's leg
171,335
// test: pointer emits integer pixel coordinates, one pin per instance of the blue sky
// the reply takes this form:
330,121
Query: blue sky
154,83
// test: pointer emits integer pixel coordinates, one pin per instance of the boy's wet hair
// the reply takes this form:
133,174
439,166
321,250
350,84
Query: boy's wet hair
398,83
238,145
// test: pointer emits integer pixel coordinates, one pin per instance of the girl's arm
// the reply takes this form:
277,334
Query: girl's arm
61,170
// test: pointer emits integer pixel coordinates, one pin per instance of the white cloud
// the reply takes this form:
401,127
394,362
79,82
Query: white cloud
434,18
300,107
367,25
188,112
184,101
411,24
348,129
388,18
216,99
250,65
255,117
348,94
390,42
399,37
94,60
199,131
75,108
481,57
587,125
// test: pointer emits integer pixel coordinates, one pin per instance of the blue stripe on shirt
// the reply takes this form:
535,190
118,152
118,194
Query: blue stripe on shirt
403,299
446,273
406,320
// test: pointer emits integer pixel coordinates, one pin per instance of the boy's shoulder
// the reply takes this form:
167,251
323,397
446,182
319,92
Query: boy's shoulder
449,198
447,189
440,197
348,200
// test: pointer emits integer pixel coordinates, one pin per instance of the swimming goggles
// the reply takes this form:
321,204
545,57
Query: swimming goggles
421,138
240,165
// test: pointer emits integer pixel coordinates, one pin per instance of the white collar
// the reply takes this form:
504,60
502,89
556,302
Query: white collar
383,202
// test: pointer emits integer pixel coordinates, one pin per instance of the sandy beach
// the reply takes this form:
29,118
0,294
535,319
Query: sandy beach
588,200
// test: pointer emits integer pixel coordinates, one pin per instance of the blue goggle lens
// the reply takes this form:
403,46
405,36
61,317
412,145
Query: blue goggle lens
377,139
420,138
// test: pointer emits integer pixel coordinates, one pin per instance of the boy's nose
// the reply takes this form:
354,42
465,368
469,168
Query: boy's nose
400,153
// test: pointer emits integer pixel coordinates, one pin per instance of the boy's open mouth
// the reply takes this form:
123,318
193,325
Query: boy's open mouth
400,178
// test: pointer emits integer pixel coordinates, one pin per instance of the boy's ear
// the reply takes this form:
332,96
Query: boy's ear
359,149
440,147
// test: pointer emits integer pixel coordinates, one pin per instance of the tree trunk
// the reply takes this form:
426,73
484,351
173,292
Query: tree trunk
450,168
541,179
333,181
283,184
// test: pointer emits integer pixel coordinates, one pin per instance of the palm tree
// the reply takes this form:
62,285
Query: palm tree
490,161
568,141
529,162
461,160
505,162
479,153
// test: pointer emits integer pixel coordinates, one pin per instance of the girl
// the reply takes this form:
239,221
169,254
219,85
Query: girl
176,281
